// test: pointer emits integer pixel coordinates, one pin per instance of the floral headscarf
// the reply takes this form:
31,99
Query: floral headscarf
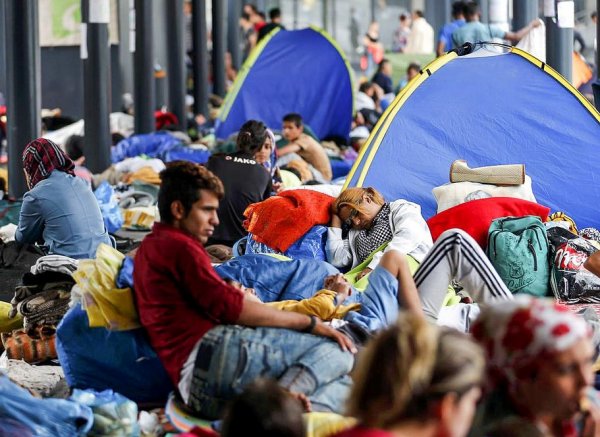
41,157
270,163
518,334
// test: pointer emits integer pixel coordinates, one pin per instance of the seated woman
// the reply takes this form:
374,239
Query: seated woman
374,222
245,182
416,379
267,157
540,358
59,209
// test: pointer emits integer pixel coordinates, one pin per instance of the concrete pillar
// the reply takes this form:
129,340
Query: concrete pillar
524,11
437,13
176,74
559,37
233,32
218,46
23,79
95,52
200,57
126,16
144,96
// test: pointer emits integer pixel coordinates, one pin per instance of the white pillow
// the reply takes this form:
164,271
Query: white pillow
452,194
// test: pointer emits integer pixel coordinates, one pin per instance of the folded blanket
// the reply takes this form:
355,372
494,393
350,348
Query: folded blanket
45,308
281,220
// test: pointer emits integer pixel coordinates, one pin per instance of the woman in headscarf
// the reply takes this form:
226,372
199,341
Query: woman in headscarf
59,210
267,157
374,222
540,358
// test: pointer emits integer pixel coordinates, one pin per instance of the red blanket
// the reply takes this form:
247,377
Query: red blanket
281,220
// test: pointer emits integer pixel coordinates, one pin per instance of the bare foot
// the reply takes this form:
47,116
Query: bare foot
303,399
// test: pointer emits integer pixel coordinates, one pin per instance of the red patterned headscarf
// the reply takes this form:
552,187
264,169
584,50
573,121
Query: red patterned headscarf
517,335
41,157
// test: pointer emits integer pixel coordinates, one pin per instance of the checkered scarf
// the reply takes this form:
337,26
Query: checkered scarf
379,233
41,157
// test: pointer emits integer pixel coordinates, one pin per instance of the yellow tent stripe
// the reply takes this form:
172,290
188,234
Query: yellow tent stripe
560,79
373,136
241,77
375,133
399,101
365,147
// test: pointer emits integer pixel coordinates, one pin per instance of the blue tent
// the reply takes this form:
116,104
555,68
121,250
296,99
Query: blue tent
301,71
488,107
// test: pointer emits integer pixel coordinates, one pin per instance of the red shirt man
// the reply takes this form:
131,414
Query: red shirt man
185,308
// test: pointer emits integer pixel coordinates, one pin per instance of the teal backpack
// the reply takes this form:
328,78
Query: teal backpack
518,249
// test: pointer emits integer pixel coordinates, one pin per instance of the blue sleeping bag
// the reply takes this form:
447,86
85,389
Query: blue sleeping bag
310,246
275,280
153,145
100,359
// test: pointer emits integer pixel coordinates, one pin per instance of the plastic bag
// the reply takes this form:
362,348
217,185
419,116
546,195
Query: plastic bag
111,213
106,305
42,417
571,282
114,414
310,246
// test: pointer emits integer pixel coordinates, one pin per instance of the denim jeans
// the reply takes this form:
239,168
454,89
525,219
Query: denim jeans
230,357
379,302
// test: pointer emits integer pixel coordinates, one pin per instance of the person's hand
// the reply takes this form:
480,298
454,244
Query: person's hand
535,23
303,399
200,119
365,272
336,221
277,187
324,330
591,421
341,286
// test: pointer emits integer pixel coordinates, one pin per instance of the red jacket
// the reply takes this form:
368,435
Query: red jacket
179,295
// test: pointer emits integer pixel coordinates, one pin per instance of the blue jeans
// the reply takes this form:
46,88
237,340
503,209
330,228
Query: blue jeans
231,356
379,306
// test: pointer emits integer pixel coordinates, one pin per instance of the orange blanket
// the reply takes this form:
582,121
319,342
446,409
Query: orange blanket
281,220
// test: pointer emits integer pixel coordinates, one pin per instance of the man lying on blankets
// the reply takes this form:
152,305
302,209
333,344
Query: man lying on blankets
454,256
199,325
